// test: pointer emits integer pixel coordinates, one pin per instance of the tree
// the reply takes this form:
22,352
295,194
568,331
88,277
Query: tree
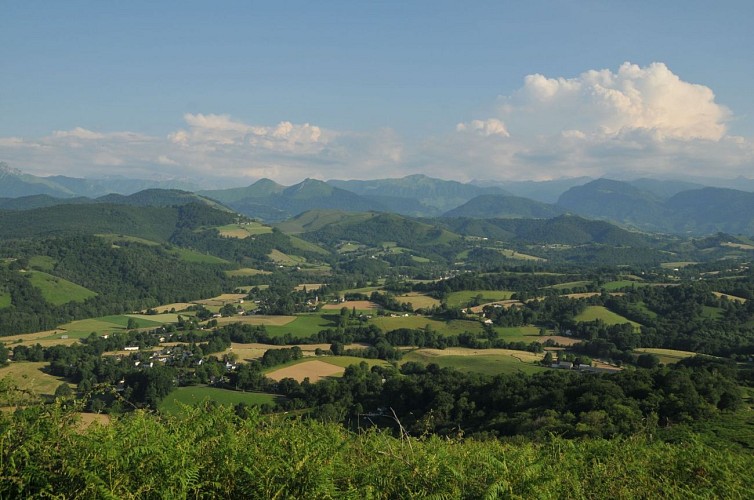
132,324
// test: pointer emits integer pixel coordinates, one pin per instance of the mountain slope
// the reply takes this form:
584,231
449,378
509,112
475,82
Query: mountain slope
490,206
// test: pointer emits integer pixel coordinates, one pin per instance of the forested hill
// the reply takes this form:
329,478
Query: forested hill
153,223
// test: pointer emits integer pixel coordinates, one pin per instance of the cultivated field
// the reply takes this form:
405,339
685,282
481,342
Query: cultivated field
178,306
242,231
198,394
314,370
221,300
606,315
304,325
57,290
28,376
245,271
250,352
453,327
418,300
666,356
257,319
308,287
360,305
486,361
461,299
730,297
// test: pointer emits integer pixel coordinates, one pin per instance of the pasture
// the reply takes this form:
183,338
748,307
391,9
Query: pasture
462,298
453,327
485,361
245,230
593,313
250,352
257,319
5,300
58,291
360,305
245,271
721,295
612,286
28,376
307,246
304,325
666,356
42,262
198,394
418,300
284,259
569,284
82,328
321,367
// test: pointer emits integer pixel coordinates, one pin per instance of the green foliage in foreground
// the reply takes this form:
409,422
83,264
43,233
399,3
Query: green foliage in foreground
211,452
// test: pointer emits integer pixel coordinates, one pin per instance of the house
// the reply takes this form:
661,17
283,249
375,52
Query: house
131,348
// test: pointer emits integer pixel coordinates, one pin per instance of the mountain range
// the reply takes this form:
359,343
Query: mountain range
670,206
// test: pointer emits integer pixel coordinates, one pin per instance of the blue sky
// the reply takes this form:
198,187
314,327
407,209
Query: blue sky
241,90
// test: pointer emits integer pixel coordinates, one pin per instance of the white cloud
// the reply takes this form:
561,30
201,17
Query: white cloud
485,128
625,123
651,99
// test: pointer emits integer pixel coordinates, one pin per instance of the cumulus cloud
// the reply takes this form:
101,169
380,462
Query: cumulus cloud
651,99
633,121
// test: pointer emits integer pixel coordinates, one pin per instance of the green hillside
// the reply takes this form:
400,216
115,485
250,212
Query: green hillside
57,290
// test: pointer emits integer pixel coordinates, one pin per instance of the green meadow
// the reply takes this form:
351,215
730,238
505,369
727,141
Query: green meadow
487,364
57,290
462,299
593,313
198,394
453,327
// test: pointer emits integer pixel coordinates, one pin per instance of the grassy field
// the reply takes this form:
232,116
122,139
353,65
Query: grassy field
245,271
242,231
453,327
418,300
284,259
489,362
462,299
57,290
612,286
712,312
5,299
606,315
666,356
729,297
304,325
30,377
519,333
307,246
112,238
317,368
42,262
267,321
569,284
677,265
512,254
193,395
82,328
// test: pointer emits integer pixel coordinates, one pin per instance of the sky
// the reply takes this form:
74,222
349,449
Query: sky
225,92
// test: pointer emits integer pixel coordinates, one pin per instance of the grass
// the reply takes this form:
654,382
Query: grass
29,376
712,312
612,286
5,300
242,231
245,271
82,328
445,328
678,264
267,321
666,356
304,325
569,284
112,238
346,361
418,300
58,291
512,254
307,246
197,394
479,361
284,259
42,262
593,313
461,299
519,333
